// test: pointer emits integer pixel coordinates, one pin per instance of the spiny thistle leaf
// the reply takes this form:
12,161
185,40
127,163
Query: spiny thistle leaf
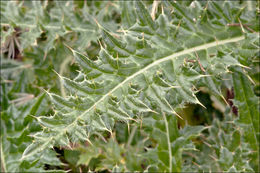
151,69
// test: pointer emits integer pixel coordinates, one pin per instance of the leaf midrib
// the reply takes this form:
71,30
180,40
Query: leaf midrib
3,164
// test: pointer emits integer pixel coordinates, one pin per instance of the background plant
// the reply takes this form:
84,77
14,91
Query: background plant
135,86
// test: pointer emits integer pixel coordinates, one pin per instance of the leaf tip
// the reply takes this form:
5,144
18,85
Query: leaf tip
224,99
47,92
198,102
72,50
57,73
99,26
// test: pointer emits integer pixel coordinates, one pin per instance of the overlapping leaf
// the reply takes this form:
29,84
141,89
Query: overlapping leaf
248,109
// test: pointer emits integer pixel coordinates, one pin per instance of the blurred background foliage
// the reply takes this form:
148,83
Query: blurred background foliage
34,36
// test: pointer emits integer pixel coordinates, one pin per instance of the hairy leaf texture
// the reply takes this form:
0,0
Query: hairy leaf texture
149,69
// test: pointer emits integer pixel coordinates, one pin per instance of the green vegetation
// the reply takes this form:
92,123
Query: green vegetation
124,86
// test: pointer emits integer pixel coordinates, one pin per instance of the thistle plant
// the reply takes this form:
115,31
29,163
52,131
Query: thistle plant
122,106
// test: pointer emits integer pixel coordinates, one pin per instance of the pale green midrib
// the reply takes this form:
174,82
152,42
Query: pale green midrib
50,27
168,142
62,70
3,166
184,52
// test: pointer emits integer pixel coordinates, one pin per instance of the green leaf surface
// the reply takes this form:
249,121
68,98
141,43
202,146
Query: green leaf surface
120,85
149,86
248,110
